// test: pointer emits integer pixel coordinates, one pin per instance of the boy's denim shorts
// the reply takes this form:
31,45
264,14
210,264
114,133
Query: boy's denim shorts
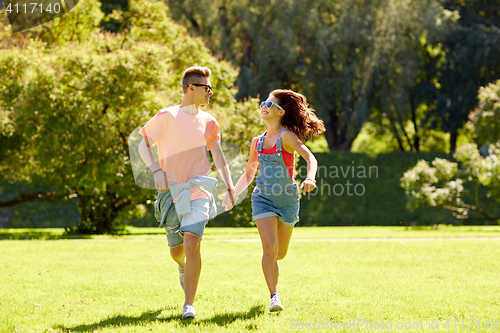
194,222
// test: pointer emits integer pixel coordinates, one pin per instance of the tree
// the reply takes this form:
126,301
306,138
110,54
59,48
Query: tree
374,64
345,56
442,183
71,97
472,60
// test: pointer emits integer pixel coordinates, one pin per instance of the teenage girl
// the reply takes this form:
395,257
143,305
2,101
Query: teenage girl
275,199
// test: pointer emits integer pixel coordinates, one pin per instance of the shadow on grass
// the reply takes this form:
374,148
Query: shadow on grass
161,232
154,316
57,233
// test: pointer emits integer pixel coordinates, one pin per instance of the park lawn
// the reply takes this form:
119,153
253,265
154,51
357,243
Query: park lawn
340,233
131,285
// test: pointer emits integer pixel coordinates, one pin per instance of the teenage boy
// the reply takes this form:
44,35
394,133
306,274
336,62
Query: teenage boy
185,202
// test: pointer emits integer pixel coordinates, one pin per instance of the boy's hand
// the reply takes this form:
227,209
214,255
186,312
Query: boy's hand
228,199
160,181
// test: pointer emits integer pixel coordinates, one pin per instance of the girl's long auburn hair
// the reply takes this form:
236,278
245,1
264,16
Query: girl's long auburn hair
299,117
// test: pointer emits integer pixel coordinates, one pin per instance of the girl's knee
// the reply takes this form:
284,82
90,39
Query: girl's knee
270,248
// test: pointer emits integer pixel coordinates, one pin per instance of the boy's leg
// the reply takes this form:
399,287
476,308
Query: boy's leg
193,266
175,240
177,253
193,226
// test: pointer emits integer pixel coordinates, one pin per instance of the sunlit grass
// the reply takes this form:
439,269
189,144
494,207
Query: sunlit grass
437,231
131,285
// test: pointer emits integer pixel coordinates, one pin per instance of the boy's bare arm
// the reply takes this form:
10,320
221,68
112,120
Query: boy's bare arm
147,154
148,158
222,166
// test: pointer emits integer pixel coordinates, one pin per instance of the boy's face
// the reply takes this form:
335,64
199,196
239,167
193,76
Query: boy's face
200,94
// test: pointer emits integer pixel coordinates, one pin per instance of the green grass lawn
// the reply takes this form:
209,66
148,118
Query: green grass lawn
438,231
130,284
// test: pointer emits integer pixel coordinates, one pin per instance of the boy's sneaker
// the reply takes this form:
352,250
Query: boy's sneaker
181,276
188,311
275,303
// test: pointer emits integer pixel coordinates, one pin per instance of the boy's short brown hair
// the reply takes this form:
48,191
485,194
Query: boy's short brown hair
193,74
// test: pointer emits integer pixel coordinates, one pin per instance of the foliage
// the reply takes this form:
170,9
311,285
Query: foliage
318,144
487,115
443,183
375,138
107,7
351,59
72,95
81,22
472,60
356,190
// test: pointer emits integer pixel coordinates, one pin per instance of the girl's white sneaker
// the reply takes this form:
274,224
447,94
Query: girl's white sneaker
275,303
188,311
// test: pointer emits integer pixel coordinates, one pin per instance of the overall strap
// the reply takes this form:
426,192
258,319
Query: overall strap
278,141
260,142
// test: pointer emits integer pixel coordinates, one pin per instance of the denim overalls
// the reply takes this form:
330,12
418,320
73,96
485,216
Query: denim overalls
275,193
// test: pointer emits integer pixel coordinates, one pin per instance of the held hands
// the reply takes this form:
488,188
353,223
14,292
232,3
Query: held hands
308,185
229,199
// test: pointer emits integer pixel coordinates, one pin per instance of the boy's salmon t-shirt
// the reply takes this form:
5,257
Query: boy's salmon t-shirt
182,140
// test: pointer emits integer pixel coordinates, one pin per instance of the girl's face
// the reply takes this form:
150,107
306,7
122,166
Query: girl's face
269,110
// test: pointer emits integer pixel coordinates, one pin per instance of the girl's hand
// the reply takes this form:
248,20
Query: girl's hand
308,185
226,200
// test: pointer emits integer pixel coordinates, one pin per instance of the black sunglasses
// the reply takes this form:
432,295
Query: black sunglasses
207,86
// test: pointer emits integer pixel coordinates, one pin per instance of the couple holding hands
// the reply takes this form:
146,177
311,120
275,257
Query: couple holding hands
185,202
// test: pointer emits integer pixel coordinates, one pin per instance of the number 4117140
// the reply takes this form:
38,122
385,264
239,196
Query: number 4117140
471,323
56,8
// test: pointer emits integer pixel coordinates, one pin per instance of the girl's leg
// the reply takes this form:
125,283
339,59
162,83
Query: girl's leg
268,231
284,236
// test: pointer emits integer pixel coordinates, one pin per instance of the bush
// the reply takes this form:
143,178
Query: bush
370,196
470,188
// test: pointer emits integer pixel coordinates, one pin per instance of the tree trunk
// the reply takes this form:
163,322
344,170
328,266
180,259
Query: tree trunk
416,137
247,49
401,124
225,32
336,135
99,212
453,141
396,133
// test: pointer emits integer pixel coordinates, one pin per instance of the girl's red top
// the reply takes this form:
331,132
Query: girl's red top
288,158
